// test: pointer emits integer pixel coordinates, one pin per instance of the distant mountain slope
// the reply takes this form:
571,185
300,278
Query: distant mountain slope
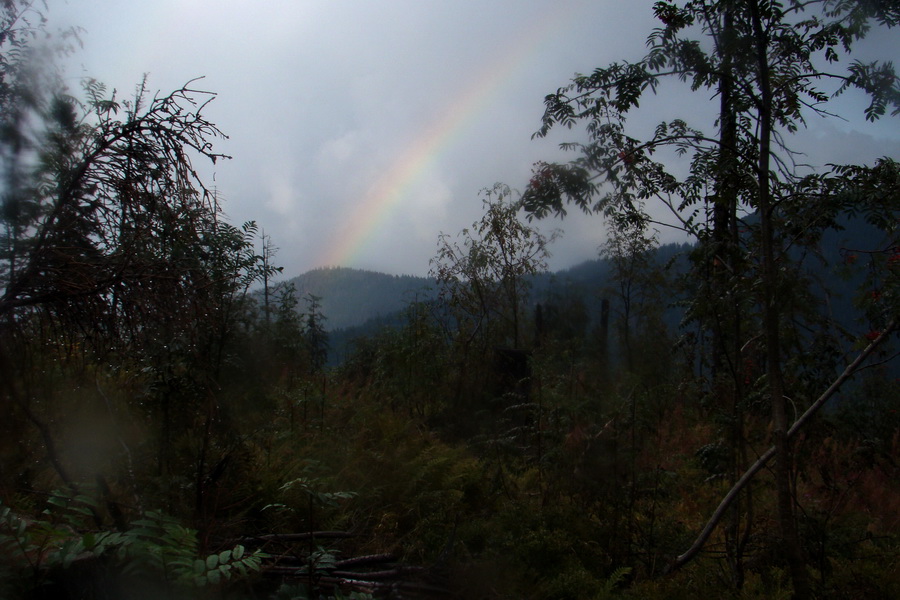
359,303
352,296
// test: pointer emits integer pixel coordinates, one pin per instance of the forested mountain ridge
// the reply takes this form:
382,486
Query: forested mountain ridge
357,302
353,296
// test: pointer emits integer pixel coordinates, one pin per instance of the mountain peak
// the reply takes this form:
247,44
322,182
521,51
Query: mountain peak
353,296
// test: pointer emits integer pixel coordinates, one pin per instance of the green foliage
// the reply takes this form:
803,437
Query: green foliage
154,547
159,544
310,488
405,368
615,580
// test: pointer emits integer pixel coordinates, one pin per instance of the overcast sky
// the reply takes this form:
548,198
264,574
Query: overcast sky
361,129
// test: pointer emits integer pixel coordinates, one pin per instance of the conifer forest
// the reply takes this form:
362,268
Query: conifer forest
716,418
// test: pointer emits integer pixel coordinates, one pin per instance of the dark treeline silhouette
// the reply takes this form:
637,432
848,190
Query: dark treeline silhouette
709,419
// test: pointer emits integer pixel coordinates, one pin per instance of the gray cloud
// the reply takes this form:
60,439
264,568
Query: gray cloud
322,100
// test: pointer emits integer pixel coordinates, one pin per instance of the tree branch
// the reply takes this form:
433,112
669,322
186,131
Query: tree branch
738,487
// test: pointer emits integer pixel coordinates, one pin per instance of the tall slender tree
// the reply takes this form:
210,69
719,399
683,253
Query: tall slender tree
768,62
315,334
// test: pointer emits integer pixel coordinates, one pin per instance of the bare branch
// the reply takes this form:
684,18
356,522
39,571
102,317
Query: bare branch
739,486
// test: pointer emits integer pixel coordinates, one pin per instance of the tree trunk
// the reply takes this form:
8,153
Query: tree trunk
771,317
726,323
763,460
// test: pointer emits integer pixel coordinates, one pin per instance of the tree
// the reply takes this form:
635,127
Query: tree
117,205
767,61
486,279
26,79
267,253
314,333
114,248
630,250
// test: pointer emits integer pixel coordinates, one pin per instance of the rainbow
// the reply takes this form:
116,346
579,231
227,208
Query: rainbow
386,194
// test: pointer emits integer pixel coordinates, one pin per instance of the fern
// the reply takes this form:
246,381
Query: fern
224,565
15,540
616,578
159,544
156,546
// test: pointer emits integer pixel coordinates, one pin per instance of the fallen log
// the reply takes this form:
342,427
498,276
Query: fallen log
371,559
295,537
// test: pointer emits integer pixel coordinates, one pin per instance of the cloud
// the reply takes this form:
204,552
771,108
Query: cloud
325,100
835,142
340,149
280,193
